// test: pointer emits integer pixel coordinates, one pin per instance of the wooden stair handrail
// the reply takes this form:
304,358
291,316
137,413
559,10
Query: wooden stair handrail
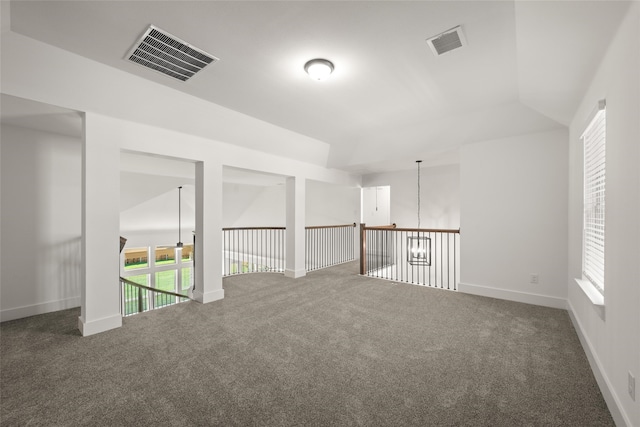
162,291
314,227
419,230
253,228
381,227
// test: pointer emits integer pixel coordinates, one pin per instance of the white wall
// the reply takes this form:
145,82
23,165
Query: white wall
514,218
160,213
612,340
376,205
439,196
246,205
41,215
331,204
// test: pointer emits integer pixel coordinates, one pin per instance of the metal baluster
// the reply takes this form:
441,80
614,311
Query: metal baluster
340,241
374,253
273,251
396,260
338,234
441,259
402,265
331,255
323,247
371,242
225,235
448,266
311,243
373,265
423,281
454,261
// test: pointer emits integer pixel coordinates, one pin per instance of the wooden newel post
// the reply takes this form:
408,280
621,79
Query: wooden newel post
363,249
140,302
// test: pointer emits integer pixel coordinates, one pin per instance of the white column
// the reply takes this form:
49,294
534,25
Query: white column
208,254
294,265
100,296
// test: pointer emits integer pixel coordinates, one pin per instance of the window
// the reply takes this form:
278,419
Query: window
186,280
166,281
593,240
136,258
165,255
162,267
187,253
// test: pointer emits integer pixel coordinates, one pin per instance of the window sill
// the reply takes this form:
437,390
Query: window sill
594,296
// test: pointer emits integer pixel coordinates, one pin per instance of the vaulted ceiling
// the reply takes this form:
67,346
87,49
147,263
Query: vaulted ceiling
390,100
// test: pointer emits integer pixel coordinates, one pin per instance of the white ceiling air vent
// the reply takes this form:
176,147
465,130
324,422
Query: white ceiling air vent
167,54
447,41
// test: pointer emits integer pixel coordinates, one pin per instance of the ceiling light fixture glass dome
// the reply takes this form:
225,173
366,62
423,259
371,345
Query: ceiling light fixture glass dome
319,69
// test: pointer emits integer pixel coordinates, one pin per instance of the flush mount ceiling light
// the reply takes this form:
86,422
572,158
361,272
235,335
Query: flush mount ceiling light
319,69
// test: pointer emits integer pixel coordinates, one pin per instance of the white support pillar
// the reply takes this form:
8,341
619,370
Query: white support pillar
296,191
208,253
100,258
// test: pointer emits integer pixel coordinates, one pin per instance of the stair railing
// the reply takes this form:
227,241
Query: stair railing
253,250
429,257
328,245
137,298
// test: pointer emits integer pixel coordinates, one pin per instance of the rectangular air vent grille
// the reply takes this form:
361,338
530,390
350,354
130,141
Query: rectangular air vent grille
447,41
162,52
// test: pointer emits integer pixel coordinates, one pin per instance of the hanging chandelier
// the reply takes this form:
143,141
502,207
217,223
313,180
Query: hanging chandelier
419,247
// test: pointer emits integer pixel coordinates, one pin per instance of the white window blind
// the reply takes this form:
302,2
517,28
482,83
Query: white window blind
593,244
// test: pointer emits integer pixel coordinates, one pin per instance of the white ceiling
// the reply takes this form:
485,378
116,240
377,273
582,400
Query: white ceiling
390,100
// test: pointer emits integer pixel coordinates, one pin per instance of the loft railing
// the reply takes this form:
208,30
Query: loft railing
253,250
429,257
329,245
136,298
262,249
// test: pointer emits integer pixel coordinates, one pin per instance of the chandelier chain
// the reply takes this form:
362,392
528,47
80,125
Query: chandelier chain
418,162
179,215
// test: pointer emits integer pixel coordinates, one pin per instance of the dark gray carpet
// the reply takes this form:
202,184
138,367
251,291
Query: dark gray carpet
332,348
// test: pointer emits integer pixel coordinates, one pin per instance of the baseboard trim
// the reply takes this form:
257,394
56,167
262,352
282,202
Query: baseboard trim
208,297
610,397
41,308
485,291
99,325
294,274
